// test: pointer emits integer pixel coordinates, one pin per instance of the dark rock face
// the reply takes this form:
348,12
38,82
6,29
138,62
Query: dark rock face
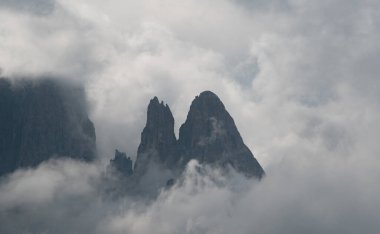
121,163
209,135
158,142
40,120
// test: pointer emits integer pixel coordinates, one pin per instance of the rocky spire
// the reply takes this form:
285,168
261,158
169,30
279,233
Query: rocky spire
210,136
40,120
158,140
121,164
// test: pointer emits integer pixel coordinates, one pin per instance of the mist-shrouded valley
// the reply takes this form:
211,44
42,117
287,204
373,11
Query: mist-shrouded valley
215,116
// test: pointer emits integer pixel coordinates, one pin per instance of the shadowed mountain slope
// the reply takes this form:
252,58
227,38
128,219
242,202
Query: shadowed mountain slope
40,120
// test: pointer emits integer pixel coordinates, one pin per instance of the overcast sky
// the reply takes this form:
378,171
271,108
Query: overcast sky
300,78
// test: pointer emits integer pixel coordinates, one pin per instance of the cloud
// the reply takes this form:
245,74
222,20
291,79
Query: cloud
37,7
66,196
304,199
51,198
299,78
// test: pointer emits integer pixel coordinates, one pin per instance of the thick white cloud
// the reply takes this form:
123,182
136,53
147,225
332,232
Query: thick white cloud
299,77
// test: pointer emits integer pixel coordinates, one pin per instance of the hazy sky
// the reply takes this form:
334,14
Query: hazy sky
300,78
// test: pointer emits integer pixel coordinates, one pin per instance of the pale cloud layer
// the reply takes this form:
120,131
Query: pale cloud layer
299,77
66,197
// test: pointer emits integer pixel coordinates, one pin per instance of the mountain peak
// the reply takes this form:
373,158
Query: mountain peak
207,93
205,106
121,163
157,138
210,135
206,99
154,100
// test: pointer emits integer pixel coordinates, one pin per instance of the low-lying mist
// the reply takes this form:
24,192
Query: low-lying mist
64,196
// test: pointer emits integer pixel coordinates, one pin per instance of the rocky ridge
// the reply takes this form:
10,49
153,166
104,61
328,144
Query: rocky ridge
209,135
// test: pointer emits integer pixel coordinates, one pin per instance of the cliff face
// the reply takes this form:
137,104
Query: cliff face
209,135
40,120
158,142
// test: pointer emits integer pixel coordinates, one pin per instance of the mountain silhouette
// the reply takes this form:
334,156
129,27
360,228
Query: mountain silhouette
40,120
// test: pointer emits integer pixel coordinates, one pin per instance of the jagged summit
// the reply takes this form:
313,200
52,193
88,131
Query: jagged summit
121,164
208,135
157,139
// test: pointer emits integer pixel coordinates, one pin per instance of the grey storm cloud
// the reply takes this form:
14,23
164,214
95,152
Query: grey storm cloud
38,7
300,78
